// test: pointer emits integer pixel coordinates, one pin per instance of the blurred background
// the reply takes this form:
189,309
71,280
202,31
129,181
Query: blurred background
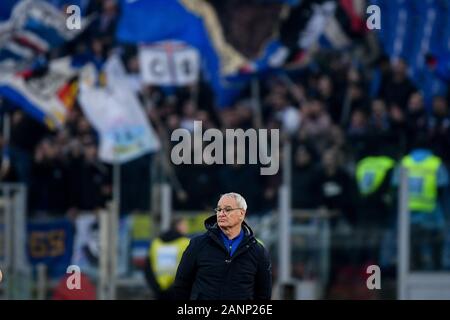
90,95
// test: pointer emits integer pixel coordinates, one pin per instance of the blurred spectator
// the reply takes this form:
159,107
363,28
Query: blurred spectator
48,188
200,182
356,97
230,118
287,114
173,123
416,118
397,88
358,133
381,72
336,187
316,124
25,135
245,113
398,127
439,128
84,129
271,185
105,22
135,177
305,192
379,121
95,176
189,116
383,127
75,159
329,97
336,141
205,118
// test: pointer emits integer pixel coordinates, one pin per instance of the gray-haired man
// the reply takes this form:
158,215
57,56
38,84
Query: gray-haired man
226,262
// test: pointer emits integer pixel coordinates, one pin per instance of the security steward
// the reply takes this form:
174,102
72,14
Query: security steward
427,180
373,177
164,257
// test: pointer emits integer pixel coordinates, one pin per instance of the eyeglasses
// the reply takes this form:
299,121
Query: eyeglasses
227,210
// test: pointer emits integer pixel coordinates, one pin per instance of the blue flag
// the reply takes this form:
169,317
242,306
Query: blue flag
51,243
192,22
6,7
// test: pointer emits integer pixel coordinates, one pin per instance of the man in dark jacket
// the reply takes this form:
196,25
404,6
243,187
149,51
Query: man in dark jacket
226,262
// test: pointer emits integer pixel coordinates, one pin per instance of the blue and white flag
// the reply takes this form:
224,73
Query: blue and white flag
33,28
41,94
86,248
117,114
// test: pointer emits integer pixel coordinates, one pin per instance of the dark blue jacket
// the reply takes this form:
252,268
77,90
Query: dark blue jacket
207,272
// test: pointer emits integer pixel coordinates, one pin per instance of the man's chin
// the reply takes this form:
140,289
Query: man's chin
222,224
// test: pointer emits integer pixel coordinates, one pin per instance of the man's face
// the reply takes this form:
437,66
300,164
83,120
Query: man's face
183,227
231,218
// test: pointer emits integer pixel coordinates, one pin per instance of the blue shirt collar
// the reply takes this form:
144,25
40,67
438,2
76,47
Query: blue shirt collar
232,244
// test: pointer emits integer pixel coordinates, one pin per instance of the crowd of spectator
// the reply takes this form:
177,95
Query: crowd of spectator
334,111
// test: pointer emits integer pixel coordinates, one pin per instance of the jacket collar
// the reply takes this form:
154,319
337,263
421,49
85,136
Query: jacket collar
214,232
211,225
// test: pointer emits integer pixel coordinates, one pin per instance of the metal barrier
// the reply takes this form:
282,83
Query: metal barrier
308,232
16,272
286,232
109,228
415,285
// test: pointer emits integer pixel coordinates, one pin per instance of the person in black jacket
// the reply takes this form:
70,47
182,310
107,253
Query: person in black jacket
226,262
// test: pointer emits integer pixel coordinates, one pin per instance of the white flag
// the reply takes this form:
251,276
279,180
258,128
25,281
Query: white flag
169,63
118,116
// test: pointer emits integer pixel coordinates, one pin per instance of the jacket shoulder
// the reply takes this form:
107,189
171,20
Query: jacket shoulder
259,247
199,240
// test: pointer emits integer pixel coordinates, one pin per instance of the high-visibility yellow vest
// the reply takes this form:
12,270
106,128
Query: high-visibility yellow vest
165,258
371,172
422,183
